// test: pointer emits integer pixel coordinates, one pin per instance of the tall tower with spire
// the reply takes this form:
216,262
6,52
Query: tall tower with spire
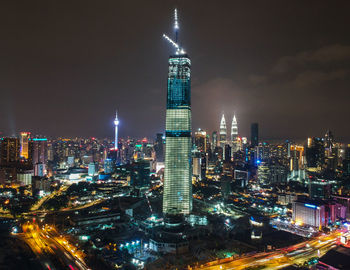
234,135
177,195
223,132
116,124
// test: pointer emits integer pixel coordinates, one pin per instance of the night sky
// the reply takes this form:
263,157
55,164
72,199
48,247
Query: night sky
66,66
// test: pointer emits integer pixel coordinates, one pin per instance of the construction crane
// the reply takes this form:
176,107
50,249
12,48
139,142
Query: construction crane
179,50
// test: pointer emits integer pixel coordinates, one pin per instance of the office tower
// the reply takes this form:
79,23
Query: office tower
263,173
234,135
159,148
39,150
254,134
9,151
70,161
140,173
223,132
207,144
197,159
227,153
315,153
39,169
200,140
24,153
214,140
108,166
92,170
320,188
177,196
328,139
234,129
116,124
309,213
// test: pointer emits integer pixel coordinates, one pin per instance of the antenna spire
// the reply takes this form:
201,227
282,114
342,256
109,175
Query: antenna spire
176,25
179,50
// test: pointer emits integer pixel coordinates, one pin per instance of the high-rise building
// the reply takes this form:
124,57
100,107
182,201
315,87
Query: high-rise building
227,153
223,132
159,147
254,134
39,150
214,140
234,129
177,196
92,170
9,151
315,152
108,166
24,153
200,140
116,124
140,173
39,146
197,160
236,143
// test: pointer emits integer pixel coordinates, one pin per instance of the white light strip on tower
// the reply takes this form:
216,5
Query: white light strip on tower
178,49
171,41
176,23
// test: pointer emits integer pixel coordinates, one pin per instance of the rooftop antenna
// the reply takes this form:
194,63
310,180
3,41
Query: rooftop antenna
179,50
176,25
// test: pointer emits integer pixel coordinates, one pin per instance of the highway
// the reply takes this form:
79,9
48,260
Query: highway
297,254
53,251
39,203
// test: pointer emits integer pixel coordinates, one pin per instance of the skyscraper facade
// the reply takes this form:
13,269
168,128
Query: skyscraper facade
159,147
39,150
200,140
214,140
177,197
9,151
25,144
223,132
254,134
234,135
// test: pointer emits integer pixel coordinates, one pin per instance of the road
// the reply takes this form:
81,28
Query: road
39,203
278,259
53,251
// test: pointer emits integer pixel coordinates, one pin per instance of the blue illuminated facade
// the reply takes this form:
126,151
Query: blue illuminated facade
177,197
310,205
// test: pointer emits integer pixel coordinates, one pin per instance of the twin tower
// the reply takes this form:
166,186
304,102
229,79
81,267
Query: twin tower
223,140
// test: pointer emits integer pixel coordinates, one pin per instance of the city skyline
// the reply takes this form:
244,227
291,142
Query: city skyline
75,70
242,161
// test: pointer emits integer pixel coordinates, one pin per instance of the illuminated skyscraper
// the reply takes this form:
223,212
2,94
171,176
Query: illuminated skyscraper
177,196
25,144
39,156
234,129
234,135
116,124
200,140
214,140
223,132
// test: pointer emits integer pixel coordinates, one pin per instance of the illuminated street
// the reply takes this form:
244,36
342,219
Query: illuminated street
53,251
297,254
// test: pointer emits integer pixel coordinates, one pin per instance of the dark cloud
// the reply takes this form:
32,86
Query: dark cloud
323,56
66,66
